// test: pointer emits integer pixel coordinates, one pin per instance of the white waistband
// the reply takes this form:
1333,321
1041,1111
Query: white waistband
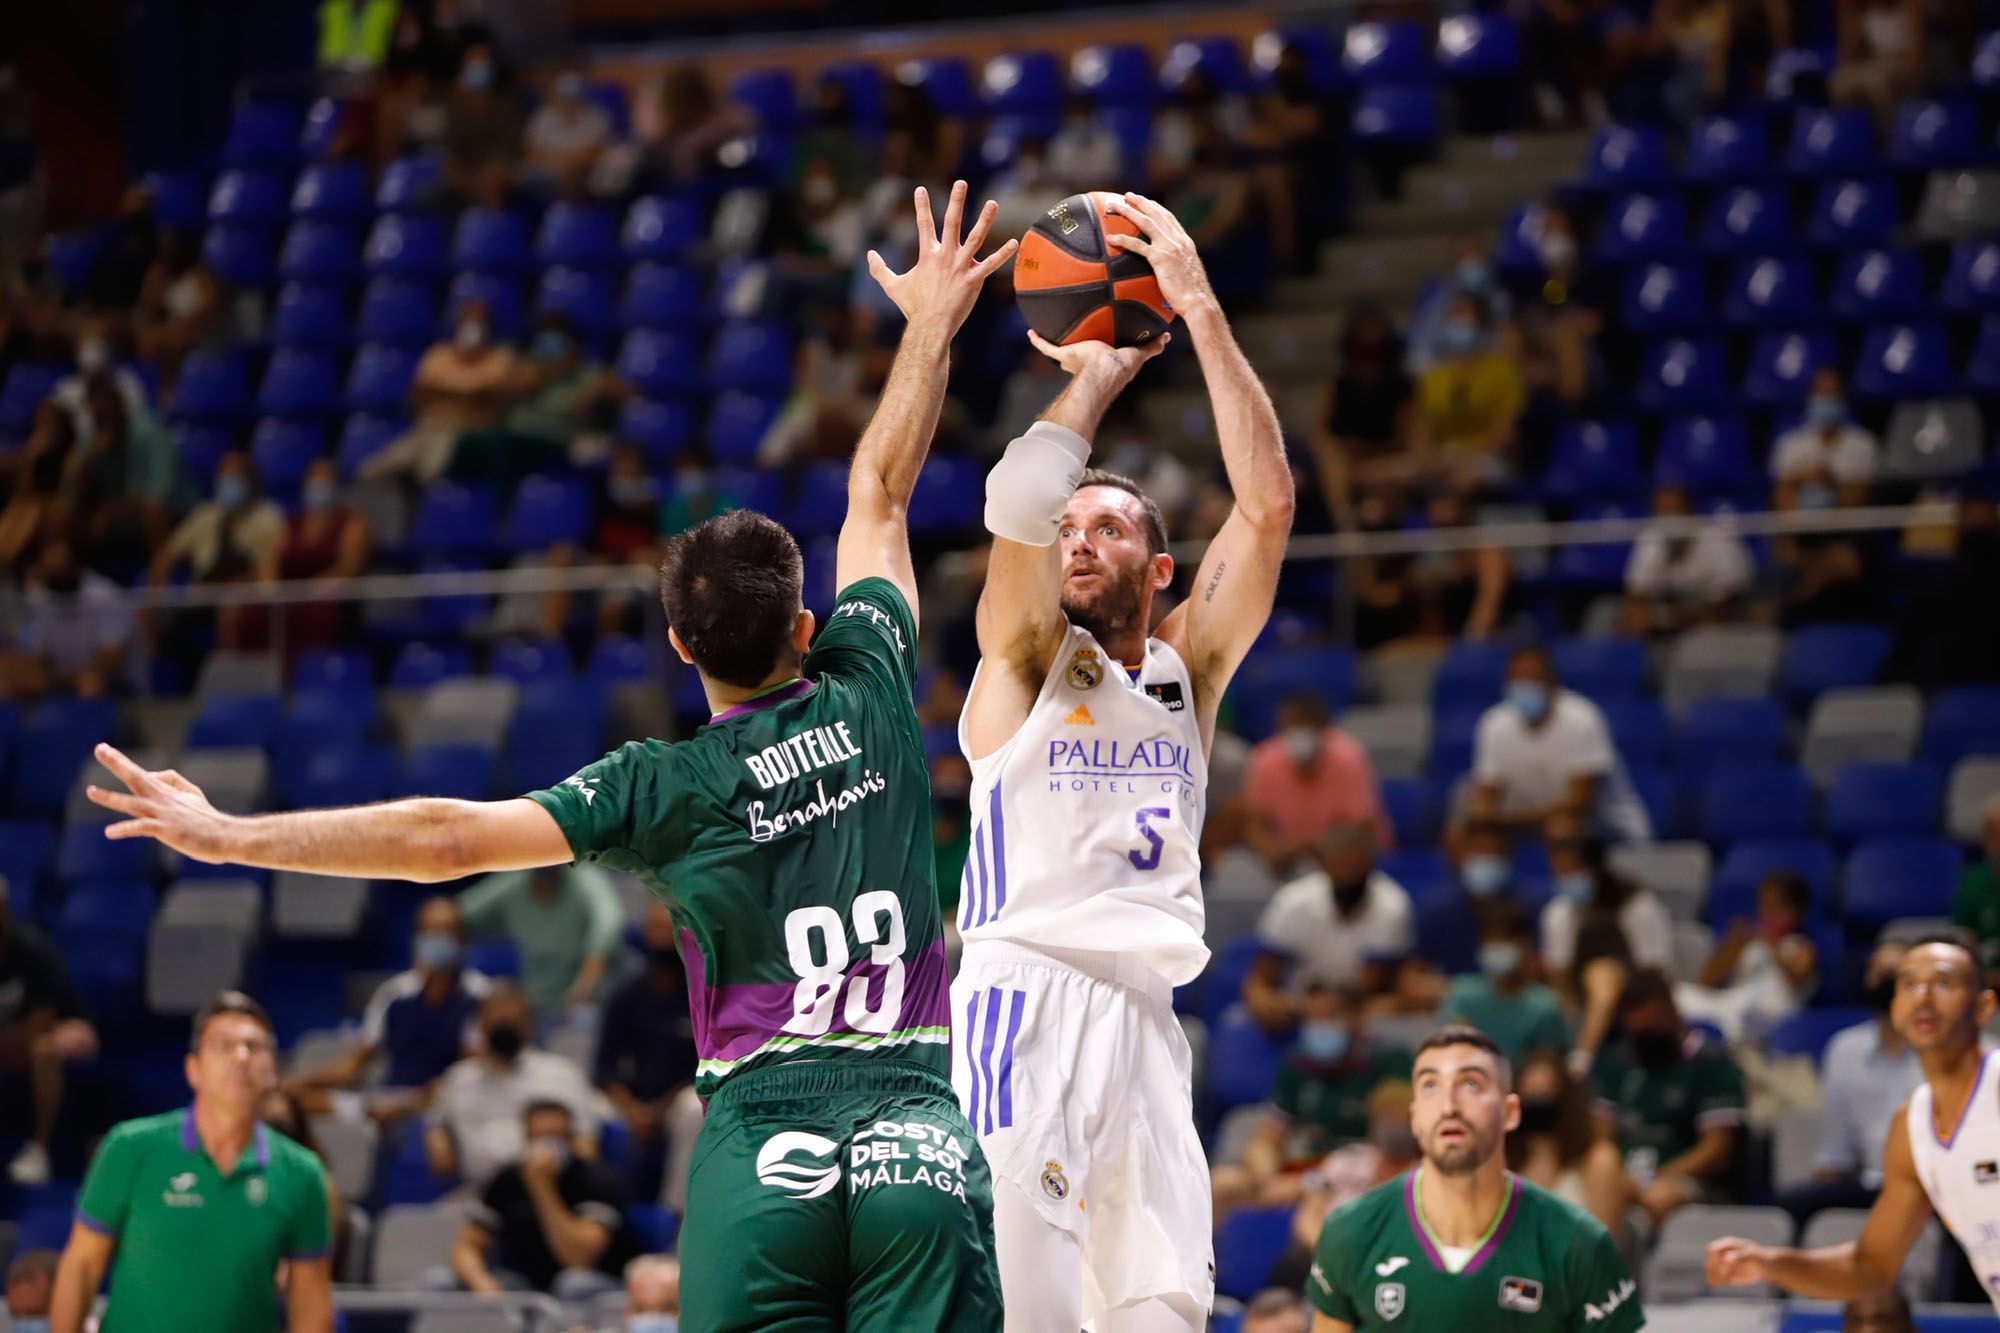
1119,969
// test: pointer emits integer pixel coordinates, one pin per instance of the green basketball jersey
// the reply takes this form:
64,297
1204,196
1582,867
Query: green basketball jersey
791,838
1545,1265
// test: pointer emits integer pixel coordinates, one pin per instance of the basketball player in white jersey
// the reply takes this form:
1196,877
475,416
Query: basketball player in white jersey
1081,906
1942,1154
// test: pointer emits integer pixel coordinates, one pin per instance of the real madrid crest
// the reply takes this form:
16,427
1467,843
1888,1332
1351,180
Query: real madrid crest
1086,669
1389,1299
1054,1183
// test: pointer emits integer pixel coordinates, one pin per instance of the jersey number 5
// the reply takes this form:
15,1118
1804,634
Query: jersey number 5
816,944
1149,857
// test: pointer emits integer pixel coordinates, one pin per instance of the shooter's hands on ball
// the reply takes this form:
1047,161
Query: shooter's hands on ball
1165,245
1735,1262
1121,363
944,283
162,805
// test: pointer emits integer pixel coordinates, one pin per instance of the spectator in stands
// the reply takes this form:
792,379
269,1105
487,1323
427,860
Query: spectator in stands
476,1120
1023,187
1320,1099
1469,403
1362,427
559,395
830,160
1303,779
1936,642
284,1112
1345,923
1673,1098
1977,904
354,34
465,384
1829,459
1506,999
566,135
1471,275
627,529
97,353
567,923
552,1220
1674,582
693,124
33,476
1685,51
1415,603
43,1029
917,139
1275,1310
1545,751
75,633
422,1021
1083,153
1563,45
481,143
951,825
646,1061
652,1295
1887,1312
1866,1072
119,263
232,537
326,539
1343,1174
1295,124
1597,929
1199,117
124,482
830,401
31,1280
1760,972
1881,50
181,304
699,491
1557,1145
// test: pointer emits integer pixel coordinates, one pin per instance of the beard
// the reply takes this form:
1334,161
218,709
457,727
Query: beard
1112,607
1461,1156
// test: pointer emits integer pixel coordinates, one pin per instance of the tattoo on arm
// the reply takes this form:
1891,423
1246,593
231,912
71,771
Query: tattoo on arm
1215,580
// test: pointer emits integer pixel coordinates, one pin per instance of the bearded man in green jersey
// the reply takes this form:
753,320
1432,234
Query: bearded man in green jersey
1459,1242
835,1184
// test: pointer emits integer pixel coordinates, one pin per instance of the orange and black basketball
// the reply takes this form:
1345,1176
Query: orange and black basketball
1075,288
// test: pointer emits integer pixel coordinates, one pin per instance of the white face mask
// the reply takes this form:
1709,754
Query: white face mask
472,335
1303,744
652,1323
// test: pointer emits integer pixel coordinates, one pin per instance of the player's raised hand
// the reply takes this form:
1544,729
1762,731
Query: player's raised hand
945,281
1165,245
1735,1262
162,805
1075,358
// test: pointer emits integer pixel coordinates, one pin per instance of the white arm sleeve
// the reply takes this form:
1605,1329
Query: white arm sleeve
1030,486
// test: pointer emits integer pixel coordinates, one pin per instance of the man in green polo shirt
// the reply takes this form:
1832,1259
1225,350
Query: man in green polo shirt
195,1211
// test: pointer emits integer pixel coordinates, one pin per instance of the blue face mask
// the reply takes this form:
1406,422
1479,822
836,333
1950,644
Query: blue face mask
650,1323
319,495
1456,337
1826,409
1577,886
231,492
570,87
1812,495
437,950
550,344
1499,958
1531,697
1485,874
30,1323
478,74
1325,1042
1474,275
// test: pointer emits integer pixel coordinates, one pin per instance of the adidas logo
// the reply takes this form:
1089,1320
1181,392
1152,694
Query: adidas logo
1080,717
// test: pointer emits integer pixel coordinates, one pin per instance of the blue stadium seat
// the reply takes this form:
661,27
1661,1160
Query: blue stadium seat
583,296
1710,456
1905,361
619,658
1113,74
489,240
1886,878
247,199
1022,83
343,669
1936,132
1423,871
663,296
1595,565
1472,673
331,192
1722,733
1639,727
21,395
420,665
659,229
1268,677
362,436
1878,284
1726,149
1829,657
817,502
1782,366
1396,114
299,384
1972,282
661,365
319,252
1767,803
540,754
661,429
1832,142
179,201
213,389
1883,800
27,853
769,95
85,854
949,497
576,235
1962,721
1666,298
398,312
1595,460
1857,211
1220,58
1748,220
861,81
501,295
1771,291
240,256
409,247
341,775
1247,1244
1243,1062
1986,62
946,80
1683,375
656,1226
1316,47
1626,158
1602,669
282,449
1407,801
529,660
262,135
1733,890
1642,226
407,184
105,967
1808,1031
310,318
202,448
1982,370
107,906
754,356
1454,728
1397,51
737,424
547,510
1478,46
453,520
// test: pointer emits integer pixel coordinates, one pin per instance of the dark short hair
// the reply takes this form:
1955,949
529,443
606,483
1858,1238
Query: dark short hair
732,587
1509,918
1539,651
1648,985
229,1002
1308,701
1464,1034
1156,523
1955,937
544,1104
32,1264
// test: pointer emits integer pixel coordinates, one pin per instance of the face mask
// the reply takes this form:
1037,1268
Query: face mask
1325,1042
319,495
644,1323
231,492
570,87
1348,896
1826,409
1500,958
1456,337
1557,249
550,345
472,335
1813,495
629,492
1474,275
1485,874
553,1145
1577,886
1656,1050
1531,697
477,76
1777,927
504,1040
31,1323
93,355
1540,1115
1882,994
1302,743
1394,1139
821,189
437,950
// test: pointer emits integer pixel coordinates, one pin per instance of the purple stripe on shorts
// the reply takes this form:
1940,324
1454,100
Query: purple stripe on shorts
1007,1059
986,1041
999,857
973,1092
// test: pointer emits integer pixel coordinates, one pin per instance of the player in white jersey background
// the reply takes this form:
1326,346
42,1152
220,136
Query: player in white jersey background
1942,1153
1088,739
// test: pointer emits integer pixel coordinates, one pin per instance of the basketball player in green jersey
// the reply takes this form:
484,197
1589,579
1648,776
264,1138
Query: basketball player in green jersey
1459,1242
835,1184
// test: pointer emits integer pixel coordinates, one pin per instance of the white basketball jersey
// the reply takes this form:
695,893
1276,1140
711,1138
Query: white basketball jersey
1086,824
1962,1173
